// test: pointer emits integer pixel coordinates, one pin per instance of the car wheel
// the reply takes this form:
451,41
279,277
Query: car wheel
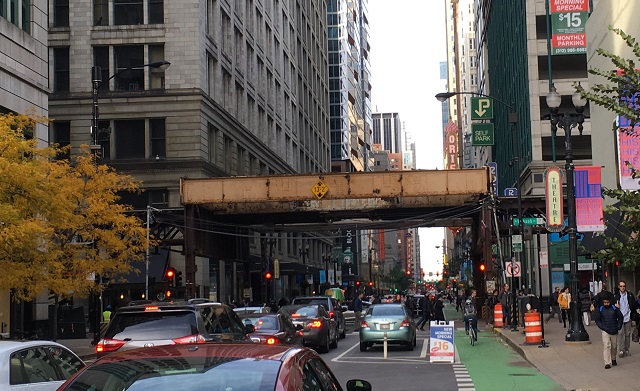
409,346
324,348
363,346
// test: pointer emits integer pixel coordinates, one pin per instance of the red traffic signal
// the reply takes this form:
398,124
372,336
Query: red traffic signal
454,280
170,275
408,272
268,275
357,283
482,267
370,283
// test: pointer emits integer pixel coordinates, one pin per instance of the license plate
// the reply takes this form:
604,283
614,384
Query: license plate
384,326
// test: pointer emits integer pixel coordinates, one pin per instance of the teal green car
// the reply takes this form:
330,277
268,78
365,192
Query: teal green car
393,319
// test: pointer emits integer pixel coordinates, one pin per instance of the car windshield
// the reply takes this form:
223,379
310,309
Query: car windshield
180,373
296,312
152,325
262,322
386,310
322,302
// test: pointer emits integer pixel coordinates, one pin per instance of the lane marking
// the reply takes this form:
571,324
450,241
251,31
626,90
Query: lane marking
335,359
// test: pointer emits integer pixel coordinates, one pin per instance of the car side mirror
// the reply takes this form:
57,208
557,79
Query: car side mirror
249,328
358,385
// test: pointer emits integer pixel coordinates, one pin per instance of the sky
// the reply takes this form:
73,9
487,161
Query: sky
408,42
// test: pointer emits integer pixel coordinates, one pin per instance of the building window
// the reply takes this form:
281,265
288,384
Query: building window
100,12
101,59
158,137
156,54
60,69
129,139
17,12
60,13
212,144
156,11
61,135
128,61
104,138
127,12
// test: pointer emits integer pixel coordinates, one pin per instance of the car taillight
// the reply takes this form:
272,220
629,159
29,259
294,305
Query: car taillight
196,338
316,324
364,325
405,323
295,315
272,341
331,314
107,345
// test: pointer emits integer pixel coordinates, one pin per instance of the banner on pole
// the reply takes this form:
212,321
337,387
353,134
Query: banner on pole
588,190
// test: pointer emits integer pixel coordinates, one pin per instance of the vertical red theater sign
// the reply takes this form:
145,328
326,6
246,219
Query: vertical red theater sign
553,195
451,145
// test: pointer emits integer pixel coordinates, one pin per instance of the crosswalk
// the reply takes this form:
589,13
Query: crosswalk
462,377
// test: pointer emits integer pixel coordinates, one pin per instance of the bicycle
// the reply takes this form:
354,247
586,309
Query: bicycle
472,333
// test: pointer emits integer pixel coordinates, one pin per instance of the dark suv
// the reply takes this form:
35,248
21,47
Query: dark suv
331,305
168,323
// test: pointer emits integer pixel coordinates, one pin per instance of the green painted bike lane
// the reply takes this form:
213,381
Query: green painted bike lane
493,365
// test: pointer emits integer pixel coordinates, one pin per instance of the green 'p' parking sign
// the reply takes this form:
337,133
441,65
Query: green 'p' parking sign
481,108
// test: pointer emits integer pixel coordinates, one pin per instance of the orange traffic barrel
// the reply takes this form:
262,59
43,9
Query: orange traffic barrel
532,328
497,315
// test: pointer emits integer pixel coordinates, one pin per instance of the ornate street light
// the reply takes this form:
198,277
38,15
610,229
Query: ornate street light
568,122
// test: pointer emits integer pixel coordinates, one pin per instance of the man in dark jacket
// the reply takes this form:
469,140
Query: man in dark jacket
626,302
555,307
425,306
610,320
357,310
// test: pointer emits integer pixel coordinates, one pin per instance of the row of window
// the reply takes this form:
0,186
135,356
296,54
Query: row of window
122,12
128,72
130,139
17,12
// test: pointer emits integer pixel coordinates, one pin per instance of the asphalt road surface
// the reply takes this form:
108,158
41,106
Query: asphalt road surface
401,370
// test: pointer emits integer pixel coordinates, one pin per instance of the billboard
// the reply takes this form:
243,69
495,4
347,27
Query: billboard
588,190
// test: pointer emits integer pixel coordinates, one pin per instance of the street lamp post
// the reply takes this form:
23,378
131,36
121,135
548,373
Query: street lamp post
96,83
568,122
304,253
513,120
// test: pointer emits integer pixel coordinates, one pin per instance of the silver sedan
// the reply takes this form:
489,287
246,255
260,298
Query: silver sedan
393,320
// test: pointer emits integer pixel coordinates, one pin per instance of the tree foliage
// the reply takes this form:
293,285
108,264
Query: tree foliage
618,93
60,223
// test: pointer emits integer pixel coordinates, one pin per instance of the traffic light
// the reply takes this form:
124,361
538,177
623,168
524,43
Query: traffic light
408,272
268,276
357,283
482,267
454,280
167,294
617,263
370,283
179,279
170,274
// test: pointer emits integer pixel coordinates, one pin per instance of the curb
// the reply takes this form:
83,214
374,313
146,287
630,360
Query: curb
515,347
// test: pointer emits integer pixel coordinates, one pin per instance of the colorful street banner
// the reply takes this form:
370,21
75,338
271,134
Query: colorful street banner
568,20
588,190
554,199
441,348
628,152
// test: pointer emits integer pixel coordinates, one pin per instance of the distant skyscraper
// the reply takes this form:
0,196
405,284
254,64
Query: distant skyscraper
387,131
349,86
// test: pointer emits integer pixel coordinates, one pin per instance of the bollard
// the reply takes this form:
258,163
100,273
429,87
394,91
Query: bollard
384,344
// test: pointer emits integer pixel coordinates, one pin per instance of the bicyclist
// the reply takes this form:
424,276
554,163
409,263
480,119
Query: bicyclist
469,311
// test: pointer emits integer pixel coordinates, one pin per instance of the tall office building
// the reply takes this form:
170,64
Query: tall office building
387,132
24,86
246,94
349,85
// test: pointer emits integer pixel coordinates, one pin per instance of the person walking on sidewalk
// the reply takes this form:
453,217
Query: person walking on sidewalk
586,303
564,299
627,304
427,311
554,306
357,310
506,299
609,319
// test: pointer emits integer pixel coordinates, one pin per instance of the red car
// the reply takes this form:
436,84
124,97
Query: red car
211,367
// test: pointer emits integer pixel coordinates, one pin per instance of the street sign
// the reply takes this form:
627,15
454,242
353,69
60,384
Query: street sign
482,134
276,268
319,189
441,342
530,221
513,269
544,259
481,108
568,22
516,243
510,192
493,168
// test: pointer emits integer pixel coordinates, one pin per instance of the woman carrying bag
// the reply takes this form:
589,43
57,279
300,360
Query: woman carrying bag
564,298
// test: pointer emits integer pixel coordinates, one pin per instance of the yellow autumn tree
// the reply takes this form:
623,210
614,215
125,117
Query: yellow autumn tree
60,220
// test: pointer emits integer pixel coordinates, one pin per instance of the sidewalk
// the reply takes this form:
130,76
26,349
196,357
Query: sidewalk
81,347
577,366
